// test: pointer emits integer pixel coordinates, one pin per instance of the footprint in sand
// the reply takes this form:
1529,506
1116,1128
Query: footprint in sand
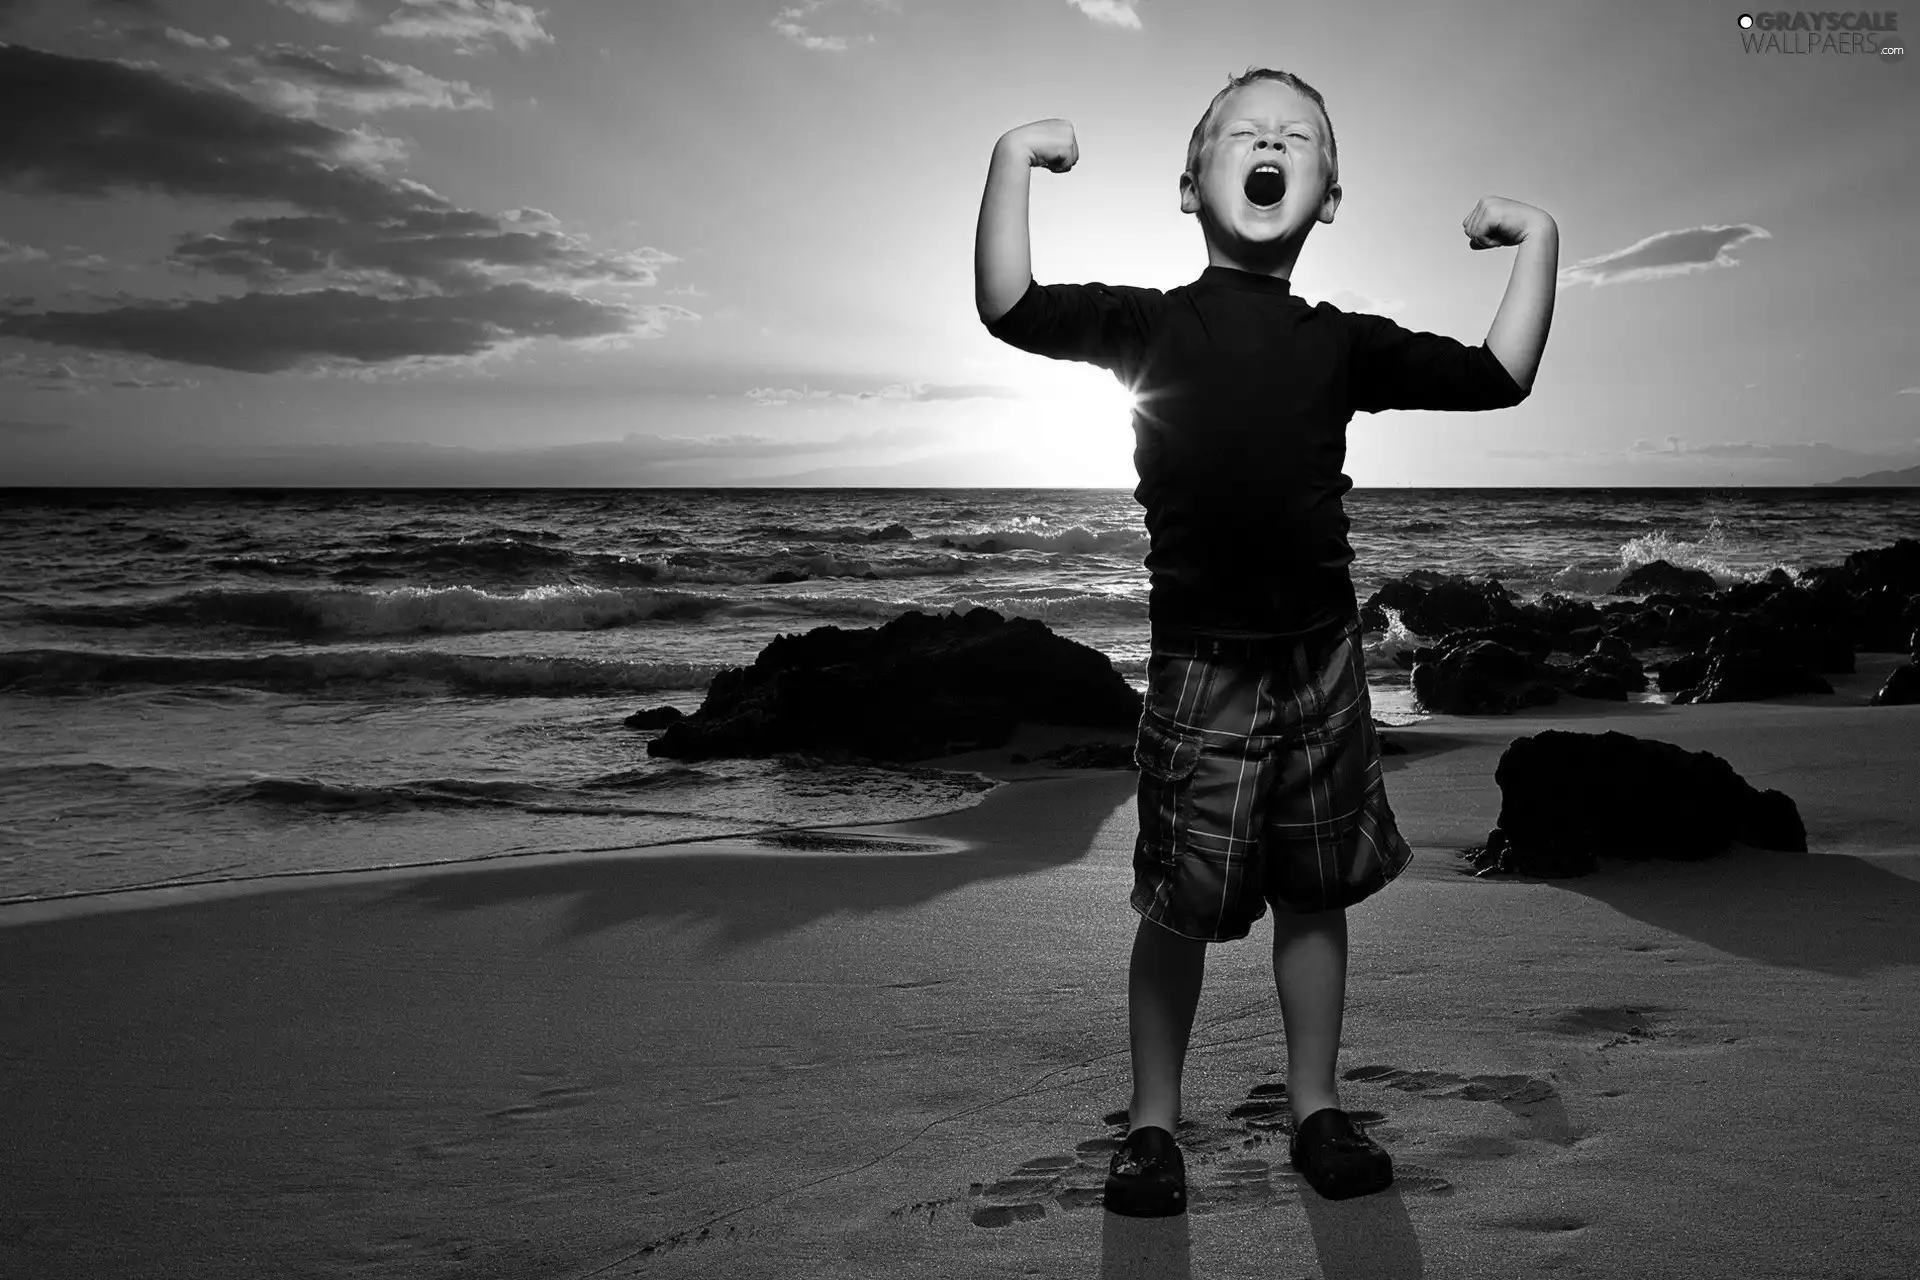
1616,1020
1221,1171
1532,1099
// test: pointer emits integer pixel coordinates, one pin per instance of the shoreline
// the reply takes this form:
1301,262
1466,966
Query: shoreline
1850,690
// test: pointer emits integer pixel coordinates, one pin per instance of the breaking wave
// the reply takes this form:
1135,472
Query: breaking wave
347,673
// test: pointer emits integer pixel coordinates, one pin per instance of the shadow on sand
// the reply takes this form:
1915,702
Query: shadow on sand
753,891
1370,1236
1832,913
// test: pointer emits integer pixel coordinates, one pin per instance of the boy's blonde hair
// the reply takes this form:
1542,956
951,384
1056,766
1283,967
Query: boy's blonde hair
1200,131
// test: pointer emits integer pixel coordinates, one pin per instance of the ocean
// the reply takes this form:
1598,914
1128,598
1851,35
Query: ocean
202,686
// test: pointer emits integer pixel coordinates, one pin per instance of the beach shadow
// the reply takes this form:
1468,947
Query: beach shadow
1422,744
756,890
1832,913
1368,1236
1145,1248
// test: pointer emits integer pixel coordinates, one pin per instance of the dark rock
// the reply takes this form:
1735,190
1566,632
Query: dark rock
1558,615
1897,566
1611,645
1641,624
1795,606
1616,665
1691,626
1432,605
922,685
1742,596
1902,688
1479,677
1868,599
1684,672
1670,578
1879,618
1599,684
1093,755
654,718
1815,648
1581,639
1749,676
1589,640
1566,798
1517,636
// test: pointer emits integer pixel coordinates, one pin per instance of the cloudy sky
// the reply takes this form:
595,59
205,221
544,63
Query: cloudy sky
730,241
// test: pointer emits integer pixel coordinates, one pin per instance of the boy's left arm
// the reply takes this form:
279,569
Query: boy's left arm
1519,331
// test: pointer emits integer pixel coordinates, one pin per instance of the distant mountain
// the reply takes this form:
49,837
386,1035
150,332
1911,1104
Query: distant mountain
1904,476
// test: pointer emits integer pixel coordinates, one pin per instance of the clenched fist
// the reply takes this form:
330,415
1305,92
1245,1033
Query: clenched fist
1498,221
1048,143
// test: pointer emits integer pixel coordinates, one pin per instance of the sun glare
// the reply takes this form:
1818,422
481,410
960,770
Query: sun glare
1083,427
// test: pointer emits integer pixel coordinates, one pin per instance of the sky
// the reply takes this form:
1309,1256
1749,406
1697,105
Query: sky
720,242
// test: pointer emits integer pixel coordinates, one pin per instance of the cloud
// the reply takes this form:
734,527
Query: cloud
470,26
302,82
634,459
772,397
191,41
1114,13
272,332
15,427
1818,451
1908,391
464,280
788,23
337,12
447,249
58,376
94,374
20,253
145,8
1668,253
89,126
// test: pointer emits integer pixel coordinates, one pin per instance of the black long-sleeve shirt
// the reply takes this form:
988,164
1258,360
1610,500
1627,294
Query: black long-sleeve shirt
1242,394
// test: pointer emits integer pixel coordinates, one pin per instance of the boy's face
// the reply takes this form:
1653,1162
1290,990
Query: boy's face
1261,125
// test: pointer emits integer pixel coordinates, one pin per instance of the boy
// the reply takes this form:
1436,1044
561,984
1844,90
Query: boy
1260,777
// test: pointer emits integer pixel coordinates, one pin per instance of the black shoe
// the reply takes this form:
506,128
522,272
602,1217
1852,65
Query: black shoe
1338,1160
1148,1176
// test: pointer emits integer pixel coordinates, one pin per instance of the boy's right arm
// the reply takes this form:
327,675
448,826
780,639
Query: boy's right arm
1002,262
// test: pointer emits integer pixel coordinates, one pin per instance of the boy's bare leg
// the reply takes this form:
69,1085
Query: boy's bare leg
1163,989
1310,972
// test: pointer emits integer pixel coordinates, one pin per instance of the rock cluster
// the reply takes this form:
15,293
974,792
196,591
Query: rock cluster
1566,798
922,685
1751,640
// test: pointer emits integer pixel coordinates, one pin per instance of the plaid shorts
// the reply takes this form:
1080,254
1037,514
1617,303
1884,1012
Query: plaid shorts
1260,782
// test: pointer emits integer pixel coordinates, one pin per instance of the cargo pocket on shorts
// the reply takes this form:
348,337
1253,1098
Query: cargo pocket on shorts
1167,759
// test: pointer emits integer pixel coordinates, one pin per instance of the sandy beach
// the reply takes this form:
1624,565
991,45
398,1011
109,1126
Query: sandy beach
890,1053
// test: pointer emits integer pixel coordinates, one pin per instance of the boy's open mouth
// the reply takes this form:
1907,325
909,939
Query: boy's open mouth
1265,185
